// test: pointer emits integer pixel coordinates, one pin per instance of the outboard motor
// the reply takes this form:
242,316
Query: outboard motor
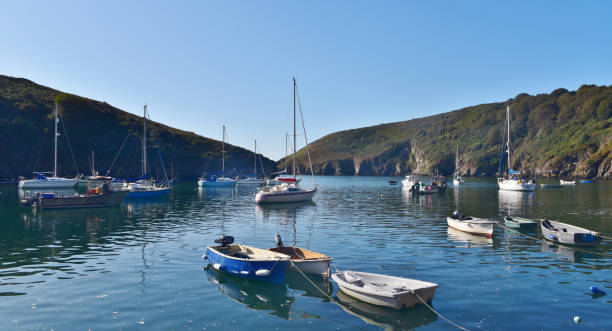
279,242
225,241
458,215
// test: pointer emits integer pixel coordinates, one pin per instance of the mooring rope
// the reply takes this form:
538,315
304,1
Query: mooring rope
411,291
538,239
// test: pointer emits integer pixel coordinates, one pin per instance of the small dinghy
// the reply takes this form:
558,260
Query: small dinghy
520,223
473,225
247,262
569,234
383,290
308,262
567,182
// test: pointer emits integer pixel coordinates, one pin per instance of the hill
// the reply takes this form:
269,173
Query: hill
565,133
26,138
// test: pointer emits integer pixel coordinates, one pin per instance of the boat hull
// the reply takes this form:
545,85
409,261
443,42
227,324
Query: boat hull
111,199
284,197
477,227
225,183
48,183
569,235
306,261
247,268
515,185
154,193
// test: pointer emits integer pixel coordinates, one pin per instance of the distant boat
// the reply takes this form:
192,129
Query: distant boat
457,179
96,198
569,234
520,223
473,225
393,182
218,179
383,290
586,181
550,186
307,261
567,182
253,180
513,181
247,262
41,181
288,192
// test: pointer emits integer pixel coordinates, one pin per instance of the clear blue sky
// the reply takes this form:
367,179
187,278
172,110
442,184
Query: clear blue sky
202,64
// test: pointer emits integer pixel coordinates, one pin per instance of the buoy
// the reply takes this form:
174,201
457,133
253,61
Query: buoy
597,291
381,195
577,319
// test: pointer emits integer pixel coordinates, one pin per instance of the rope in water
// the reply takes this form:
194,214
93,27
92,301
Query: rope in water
336,302
538,239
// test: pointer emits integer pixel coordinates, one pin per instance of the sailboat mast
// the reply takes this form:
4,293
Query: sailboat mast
144,141
93,164
508,141
255,160
294,145
457,162
55,144
223,153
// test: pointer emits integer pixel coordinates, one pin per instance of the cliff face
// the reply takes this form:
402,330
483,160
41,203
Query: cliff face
26,138
562,133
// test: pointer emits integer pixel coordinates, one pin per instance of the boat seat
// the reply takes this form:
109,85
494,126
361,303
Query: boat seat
353,279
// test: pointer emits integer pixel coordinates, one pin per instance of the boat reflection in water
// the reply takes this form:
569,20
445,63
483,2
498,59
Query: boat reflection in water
297,282
212,193
255,295
567,252
516,203
385,318
469,240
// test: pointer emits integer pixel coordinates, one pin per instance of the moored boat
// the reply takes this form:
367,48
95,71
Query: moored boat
96,198
409,181
382,290
519,223
563,233
307,261
392,182
473,225
218,179
586,181
247,262
567,182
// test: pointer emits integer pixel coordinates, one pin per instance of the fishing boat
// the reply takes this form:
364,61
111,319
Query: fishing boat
253,180
520,223
383,290
218,179
307,261
41,181
247,262
94,178
409,181
567,182
473,225
569,234
457,179
513,181
289,192
95,198
435,187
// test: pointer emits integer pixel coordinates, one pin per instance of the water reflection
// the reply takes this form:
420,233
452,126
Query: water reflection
214,193
516,202
469,240
387,319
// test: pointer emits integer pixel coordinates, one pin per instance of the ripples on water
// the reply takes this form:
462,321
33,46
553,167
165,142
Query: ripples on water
140,265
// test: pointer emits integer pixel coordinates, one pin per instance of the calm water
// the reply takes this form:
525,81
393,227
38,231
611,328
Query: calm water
139,266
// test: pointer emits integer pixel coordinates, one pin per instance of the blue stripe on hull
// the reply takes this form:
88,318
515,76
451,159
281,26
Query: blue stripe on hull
149,194
246,269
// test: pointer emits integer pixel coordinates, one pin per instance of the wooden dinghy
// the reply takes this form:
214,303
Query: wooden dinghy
473,225
383,290
307,261
520,223
569,234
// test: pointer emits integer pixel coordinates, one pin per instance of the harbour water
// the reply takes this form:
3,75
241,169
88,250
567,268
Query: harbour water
140,266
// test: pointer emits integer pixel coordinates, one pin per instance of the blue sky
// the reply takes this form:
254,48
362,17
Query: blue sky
202,64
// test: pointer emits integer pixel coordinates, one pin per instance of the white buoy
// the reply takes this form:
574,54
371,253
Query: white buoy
577,319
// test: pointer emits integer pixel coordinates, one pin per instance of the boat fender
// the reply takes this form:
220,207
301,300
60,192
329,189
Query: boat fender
204,257
597,291
245,273
263,272
218,266
577,319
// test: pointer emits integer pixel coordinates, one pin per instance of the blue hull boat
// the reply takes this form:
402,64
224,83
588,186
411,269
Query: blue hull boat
150,193
247,262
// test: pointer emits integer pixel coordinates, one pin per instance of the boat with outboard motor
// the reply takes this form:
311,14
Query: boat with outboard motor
246,261
473,225
383,290
563,233
307,261
95,198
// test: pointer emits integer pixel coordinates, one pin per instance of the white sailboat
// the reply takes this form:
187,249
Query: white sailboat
253,180
41,181
218,179
457,179
288,192
513,180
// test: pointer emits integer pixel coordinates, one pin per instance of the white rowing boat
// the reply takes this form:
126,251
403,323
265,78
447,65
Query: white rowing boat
473,225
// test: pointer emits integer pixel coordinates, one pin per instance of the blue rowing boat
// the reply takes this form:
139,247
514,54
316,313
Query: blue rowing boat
247,262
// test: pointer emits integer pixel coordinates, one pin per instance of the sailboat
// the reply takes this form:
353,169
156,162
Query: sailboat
288,192
513,180
457,179
41,181
253,180
143,188
218,179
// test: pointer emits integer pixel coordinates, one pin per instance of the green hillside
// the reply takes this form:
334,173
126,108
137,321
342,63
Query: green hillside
26,138
562,133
